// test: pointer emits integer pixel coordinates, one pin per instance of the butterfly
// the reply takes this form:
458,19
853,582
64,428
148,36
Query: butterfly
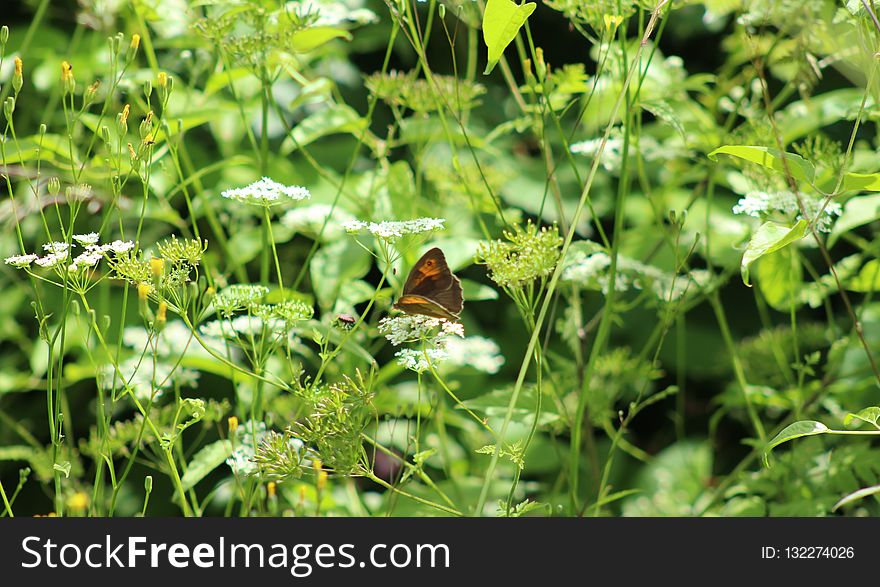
431,289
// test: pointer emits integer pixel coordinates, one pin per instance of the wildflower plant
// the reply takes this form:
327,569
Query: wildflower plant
209,217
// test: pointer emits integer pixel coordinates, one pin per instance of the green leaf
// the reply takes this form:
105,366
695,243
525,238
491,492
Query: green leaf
336,119
335,266
313,37
796,430
868,279
800,168
205,461
501,23
861,182
780,277
770,237
857,212
869,415
856,495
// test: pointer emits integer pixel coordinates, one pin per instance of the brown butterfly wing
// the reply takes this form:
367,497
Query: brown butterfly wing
431,289
429,274
419,305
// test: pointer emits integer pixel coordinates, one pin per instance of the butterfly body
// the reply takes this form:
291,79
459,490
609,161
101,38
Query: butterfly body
431,289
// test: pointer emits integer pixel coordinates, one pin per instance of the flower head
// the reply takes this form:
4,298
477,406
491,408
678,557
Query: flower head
759,204
391,230
21,261
87,239
412,328
266,192
420,361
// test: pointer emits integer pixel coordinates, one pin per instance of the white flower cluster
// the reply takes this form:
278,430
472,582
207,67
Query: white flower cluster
266,192
310,219
391,230
759,203
58,253
590,269
417,328
483,354
412,328
421,361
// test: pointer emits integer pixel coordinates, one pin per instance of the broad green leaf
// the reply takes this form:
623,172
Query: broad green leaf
205,461
856,495
857,212
868,278
335,266
336,119
868,415
501,23
800,168
779,276
796,430
313,37
770,237
861,182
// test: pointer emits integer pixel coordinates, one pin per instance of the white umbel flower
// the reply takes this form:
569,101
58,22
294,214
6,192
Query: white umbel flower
21,261
85,240
391,230
411,328
420,361
266,192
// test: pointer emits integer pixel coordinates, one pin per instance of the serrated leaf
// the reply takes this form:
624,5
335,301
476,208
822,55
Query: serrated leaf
770,237
501,23
770,158
793,431
203,462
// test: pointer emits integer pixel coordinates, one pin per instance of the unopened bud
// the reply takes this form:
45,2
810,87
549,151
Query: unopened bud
18,76
54,186
68,83
133,47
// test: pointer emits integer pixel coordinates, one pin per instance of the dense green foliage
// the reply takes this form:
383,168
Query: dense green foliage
663,215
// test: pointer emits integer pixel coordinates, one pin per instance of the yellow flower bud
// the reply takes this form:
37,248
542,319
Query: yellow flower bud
144,290
270,489
125,112
68,84
135,41
232,422
157,266
163,80
162,312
